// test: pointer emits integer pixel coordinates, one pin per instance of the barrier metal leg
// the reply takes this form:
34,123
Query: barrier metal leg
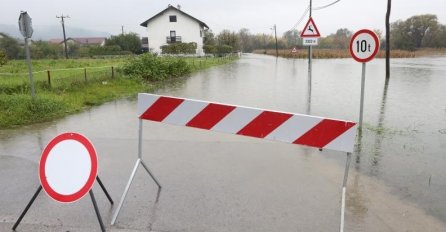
27,207
125,191
151,175
344,188
105,190
96,209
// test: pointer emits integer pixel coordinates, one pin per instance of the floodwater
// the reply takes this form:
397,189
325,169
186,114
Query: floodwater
404,137
402,146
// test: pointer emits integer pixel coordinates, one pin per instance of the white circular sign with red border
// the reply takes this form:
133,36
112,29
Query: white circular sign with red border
364,45
68,167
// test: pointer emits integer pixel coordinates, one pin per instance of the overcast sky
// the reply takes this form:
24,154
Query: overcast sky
257,15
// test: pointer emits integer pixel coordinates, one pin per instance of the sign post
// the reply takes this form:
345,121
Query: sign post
26,29
310,35
67,171
364,46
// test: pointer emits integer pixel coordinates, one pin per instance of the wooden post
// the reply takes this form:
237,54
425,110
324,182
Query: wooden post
85,74
49,77
113,72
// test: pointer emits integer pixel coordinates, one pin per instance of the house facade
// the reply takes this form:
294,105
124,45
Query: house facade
172,25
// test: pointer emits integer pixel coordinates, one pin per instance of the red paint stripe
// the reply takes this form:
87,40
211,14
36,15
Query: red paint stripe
264,124
210,115
161,108
323,133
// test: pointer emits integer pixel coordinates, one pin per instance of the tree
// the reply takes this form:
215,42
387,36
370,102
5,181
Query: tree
229,38
415,32
341,38
3,58
209,38
10,46
127,42
42,49
245,40
291,38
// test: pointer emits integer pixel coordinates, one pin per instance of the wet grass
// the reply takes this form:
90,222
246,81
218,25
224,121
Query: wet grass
69,91
345,53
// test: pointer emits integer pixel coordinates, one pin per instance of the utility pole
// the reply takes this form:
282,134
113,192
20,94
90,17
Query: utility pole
389,6
64,36
275,34
122,30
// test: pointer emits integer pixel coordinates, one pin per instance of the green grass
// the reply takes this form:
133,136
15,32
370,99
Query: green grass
69,92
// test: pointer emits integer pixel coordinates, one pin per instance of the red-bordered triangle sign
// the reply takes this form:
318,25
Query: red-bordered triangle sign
310,29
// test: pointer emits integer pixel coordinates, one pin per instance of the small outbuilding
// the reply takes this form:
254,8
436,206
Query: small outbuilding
173,25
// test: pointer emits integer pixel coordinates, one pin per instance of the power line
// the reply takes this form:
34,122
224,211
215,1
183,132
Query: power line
313,8
323,7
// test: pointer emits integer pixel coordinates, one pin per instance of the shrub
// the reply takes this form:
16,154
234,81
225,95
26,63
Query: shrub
3,58
179,48
153,68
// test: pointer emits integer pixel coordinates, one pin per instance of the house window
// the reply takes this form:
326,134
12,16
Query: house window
173,18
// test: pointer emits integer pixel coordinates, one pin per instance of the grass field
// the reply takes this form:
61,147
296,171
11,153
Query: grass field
73,86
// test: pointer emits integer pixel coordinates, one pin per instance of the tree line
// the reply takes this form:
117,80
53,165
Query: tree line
123,44
420,31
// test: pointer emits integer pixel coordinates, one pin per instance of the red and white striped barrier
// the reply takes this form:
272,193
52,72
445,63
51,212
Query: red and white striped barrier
286,127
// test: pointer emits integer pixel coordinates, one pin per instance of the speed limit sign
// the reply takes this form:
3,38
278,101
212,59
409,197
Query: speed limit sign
364,45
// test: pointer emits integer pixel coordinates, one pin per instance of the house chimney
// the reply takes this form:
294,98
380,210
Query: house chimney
179,7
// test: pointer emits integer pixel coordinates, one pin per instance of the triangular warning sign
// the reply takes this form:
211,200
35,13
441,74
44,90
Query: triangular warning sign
294,50
310,29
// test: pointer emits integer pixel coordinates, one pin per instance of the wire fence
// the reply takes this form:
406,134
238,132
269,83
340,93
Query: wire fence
56,78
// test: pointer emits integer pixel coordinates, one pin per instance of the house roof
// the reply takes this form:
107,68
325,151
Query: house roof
144,24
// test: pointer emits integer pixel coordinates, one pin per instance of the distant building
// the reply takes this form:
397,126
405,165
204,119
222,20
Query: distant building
81,41
173,25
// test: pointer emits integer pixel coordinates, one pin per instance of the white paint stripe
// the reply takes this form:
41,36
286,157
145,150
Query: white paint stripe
185,112
293,128
344,142
145,101
236,120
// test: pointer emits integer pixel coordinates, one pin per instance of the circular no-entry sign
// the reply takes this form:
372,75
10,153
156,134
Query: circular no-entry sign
68,167
364,45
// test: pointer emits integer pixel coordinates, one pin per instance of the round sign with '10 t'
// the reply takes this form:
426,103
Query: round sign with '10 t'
364,45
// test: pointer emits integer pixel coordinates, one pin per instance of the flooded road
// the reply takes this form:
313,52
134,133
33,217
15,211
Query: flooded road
404,139
400,158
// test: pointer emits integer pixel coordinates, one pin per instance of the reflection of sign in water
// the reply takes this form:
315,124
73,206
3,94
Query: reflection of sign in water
68,167
310,30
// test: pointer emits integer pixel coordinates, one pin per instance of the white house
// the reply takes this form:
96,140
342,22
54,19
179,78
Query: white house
172,25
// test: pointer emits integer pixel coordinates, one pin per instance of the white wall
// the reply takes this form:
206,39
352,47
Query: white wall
159,28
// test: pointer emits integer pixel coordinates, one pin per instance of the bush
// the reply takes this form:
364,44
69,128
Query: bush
179,48
3,58
153,68
219,50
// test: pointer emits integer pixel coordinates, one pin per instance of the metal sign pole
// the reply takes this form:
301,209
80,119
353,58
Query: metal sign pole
344,188
361,110
30,69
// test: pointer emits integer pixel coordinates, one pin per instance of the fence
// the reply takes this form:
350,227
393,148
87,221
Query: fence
57,78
